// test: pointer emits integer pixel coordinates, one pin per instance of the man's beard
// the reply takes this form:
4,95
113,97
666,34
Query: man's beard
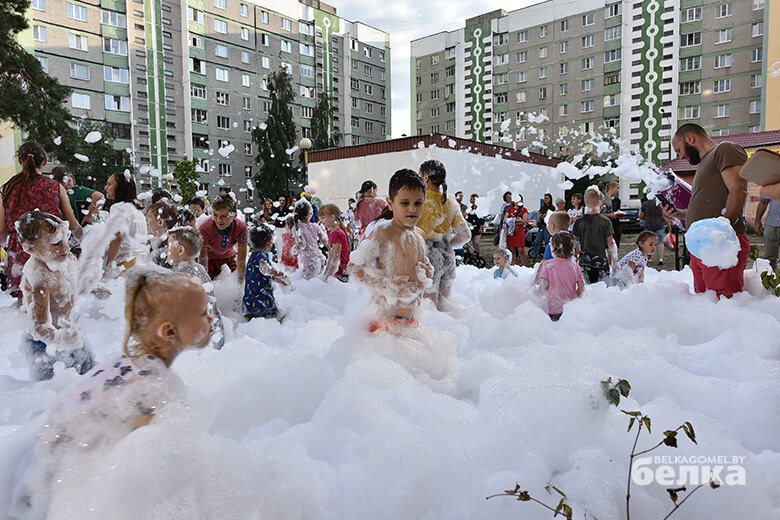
692,154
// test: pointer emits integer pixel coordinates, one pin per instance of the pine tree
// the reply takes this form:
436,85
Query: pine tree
31,99
322,133
274,138
187,177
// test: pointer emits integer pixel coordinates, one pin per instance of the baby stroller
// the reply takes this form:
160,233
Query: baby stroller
468,255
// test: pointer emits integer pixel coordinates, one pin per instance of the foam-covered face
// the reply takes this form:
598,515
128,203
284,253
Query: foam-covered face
223,217
407,206
196,210
50,246
111,186
67,182
193,323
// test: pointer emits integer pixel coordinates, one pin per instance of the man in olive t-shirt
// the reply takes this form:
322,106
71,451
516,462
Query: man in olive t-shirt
717,186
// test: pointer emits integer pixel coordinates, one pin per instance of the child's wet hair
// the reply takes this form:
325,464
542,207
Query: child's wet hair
187,237
152,294
403,178
562,244
224,201
32,224
560,219
166,211
593,196
437,174
58,173
260,235
301,211
643,236
161,194
186,215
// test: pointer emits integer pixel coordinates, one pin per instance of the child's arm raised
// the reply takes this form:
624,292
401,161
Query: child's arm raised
268,270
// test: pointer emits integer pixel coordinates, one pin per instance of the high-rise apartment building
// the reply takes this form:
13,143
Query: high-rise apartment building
188,78
641,67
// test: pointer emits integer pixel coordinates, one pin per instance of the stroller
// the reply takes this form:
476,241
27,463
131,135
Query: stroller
468,255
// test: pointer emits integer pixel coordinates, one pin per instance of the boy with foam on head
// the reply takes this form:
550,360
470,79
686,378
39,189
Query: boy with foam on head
392,260
502,258
594,233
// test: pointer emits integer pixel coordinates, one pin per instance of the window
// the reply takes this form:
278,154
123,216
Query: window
197,91
563,89
691,15
114,19
370,107
222,4
78,42
692,63
522,77
266,62
722,85
306,29
719,132
245,34
449,90
758,29
687,40
220,26
116,74
81,100
724,60
199,116
77,12
611,100
39,5
612,78
221,51
586,106
450,107
367,52
758,4
723,36
564,25
564,47
756,54
307,92
563,110
286,24
435,77
266,106
522,37
588,19
587,63
286,46
719,111
543,31
244,10
522,57
586,85
542,52
307,71
755,107
542,72
691,112
221,74
382,57
44,63
225,170
613,33
756,81
368,71
248,146
435,94
223,98
435,59
306,50
564,68
613,10
120,103
245,81
521,97
435,112
197,66
588,41
369,126
724,10
690,87
246,103
449,72
501,79
195,15
223,122
113,46
613,55
264,16
501,59
195,41
543,93
39,33
449,126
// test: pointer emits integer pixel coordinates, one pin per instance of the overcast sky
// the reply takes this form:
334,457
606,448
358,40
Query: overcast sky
407,20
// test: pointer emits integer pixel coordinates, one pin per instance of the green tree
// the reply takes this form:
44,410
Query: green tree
187,177
322,133
31,99
274,138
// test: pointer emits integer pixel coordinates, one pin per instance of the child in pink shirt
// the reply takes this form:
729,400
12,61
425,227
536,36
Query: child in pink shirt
561,277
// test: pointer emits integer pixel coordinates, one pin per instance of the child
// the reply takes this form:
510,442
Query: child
166,313
577,209
306,234
221,233
636,260
184,246
289,258
259,299
503,258
161,217
392,262
558,221
561,277
187,218
129,246
338,258
49,287
594,233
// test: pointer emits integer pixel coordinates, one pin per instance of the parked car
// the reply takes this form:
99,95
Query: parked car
489,227
630,221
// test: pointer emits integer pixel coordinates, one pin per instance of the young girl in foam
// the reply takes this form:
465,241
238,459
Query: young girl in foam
166,313
635,262
306,234
129,245
259,301
161,217
338,259
289,257
561,277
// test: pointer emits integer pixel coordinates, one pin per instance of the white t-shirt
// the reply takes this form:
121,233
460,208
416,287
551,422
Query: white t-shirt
637,257
132,227
574,214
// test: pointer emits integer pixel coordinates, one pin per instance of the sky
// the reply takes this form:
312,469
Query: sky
408,20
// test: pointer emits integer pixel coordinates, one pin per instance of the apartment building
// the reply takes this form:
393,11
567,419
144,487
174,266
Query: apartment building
189,78
641,67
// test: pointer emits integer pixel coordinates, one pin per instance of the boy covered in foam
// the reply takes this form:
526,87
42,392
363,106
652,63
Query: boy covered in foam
392,260
49,287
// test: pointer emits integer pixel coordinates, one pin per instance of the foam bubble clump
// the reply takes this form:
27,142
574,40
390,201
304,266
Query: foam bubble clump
714,242
315,418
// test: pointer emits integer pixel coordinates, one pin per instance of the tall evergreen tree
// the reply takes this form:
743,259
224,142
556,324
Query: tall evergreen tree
323,135
31,99
275,138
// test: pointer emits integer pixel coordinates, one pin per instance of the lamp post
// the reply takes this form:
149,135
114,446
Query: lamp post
305,145
169,178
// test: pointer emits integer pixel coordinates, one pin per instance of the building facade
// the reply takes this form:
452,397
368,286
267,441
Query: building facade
641,67
188,78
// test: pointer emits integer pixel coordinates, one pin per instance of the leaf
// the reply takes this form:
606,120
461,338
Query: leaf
559,492
558,509
632,414
631,423
714,485
673,493
688,429
613,396
671,438
624,387
567,512
647,423
523,496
